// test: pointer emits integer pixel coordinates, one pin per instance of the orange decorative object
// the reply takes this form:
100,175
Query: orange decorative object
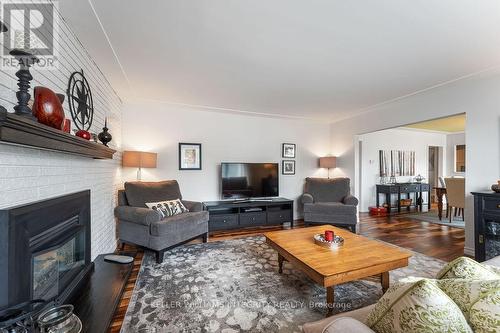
47,107
406,202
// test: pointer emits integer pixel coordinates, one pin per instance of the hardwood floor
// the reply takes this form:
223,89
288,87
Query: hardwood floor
438,241
116,323
442,242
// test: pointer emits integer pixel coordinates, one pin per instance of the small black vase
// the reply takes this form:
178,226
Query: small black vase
104,136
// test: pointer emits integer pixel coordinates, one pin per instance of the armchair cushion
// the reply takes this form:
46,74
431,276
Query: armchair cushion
350,200
307,198
137,215
328,190
177,224
193,206
138,193
330,208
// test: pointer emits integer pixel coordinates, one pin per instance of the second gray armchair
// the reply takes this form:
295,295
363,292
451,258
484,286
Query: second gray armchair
329,201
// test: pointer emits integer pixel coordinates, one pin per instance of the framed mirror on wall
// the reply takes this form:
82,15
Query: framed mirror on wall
460,158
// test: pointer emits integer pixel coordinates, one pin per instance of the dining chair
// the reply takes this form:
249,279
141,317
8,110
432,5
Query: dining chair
442,184
455,190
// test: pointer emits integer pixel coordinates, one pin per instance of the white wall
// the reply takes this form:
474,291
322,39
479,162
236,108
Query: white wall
224,137
28,175
453,140
393,139
477,96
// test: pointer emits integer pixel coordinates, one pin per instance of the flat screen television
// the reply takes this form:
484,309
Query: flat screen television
249,180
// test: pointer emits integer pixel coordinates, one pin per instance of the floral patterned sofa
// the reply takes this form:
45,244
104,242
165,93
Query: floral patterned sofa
355,321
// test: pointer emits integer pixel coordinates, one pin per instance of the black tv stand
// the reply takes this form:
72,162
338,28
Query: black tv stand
235,214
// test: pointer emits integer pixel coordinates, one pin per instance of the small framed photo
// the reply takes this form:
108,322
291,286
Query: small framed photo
288,150
189,156
288,167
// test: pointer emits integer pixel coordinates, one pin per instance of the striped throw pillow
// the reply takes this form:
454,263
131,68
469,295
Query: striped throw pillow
168,208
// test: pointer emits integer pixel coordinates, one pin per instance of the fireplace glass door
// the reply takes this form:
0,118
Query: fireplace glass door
492,238
55,267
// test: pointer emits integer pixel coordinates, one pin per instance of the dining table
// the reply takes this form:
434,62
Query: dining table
440,193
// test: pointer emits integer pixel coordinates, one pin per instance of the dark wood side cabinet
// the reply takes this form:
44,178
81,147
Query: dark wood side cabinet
486,225
226,215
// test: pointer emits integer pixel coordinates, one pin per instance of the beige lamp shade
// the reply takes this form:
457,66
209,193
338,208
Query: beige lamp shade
139,159
328,162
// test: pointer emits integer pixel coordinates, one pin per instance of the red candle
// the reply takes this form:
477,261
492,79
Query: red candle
329,235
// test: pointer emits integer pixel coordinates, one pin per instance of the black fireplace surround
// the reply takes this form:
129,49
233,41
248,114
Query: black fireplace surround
45,249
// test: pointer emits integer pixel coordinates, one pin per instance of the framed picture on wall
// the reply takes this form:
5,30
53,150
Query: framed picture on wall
288,150
189,156
288,167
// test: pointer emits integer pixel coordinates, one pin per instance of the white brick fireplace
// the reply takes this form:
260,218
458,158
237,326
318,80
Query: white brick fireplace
28,175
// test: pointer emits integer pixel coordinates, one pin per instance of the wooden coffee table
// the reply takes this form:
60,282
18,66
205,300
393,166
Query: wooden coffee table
359,257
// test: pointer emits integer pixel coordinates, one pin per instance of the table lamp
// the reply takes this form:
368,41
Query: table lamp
139,159
329,162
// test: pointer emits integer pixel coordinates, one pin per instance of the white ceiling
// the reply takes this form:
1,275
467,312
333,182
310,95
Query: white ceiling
315,59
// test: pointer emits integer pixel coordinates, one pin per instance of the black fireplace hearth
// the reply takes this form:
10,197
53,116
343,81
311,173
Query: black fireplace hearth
45,249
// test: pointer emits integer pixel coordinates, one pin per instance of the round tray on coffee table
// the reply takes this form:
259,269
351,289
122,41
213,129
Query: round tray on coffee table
337,242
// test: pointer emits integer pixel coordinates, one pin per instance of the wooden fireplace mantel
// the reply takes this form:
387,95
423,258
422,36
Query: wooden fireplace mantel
19,130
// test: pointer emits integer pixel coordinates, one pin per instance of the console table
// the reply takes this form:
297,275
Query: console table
233,214
404,188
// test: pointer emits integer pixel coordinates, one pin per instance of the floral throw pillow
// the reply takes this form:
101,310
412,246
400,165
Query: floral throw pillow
485,313
465,293
467,268
416,307
168,208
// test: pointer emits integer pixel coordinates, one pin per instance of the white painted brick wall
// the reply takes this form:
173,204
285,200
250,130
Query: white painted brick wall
28,175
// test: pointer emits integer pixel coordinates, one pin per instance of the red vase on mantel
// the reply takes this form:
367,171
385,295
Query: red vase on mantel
47,107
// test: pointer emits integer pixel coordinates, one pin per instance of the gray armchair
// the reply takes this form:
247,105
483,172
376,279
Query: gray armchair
329,201
142,226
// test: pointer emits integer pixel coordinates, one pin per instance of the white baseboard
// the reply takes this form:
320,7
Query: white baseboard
469,251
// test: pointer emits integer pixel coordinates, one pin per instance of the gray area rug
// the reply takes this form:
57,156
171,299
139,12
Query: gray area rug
233,286
432,217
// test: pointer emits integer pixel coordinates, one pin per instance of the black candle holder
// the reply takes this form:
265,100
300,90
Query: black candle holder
105,137
26,60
